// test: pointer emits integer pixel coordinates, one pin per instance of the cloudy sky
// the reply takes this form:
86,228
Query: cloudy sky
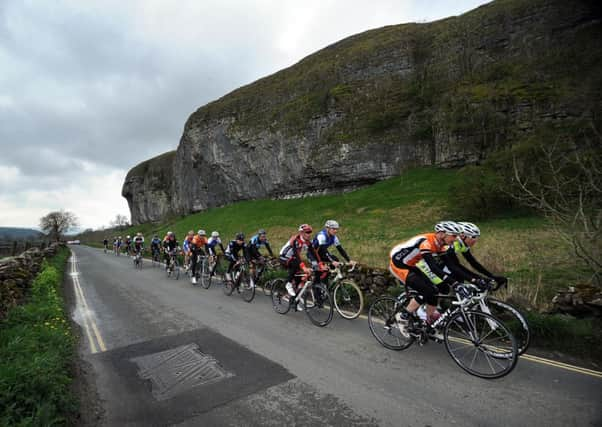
90,88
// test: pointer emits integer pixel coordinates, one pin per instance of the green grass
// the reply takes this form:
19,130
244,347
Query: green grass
36,350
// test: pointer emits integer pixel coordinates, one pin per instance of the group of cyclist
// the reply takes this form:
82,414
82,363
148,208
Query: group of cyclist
131,246
427,263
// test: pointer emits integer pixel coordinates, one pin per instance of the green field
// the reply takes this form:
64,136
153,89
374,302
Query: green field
375,218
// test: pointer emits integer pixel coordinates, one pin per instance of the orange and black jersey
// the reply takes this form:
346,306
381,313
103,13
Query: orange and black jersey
417,254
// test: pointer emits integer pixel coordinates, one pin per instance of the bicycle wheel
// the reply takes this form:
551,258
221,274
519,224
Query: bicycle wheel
280,297
228,287
348,299
512,319
246,289
176,270
480,344
384,327
206,268
267,287
318,305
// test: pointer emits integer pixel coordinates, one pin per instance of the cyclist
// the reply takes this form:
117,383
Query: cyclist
234,247
213,241
155,246
105,243
256,242
170,245
118,244
186,249
467,239
128,244
412,262
326,238
290,256
196,249
138,243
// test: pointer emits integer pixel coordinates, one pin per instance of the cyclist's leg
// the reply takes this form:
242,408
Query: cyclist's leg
427,292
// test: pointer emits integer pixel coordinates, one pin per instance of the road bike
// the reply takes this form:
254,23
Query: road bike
203,272
241,281
216,270
156,257
173,266
478,342
346,294
138,259
313,298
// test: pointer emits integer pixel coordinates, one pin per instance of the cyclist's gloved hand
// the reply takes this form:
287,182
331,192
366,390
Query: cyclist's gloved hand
500,280
482,284
462,291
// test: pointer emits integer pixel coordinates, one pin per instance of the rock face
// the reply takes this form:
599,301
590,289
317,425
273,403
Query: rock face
446,93
148,188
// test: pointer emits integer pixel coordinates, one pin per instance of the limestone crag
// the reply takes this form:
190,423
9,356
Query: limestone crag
446,93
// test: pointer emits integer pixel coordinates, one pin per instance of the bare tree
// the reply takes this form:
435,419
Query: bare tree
564,182
120,221
56,223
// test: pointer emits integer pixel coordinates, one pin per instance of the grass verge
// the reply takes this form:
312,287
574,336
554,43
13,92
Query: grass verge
36,352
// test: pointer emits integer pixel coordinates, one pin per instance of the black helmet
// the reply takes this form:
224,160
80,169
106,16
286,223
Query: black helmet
240,236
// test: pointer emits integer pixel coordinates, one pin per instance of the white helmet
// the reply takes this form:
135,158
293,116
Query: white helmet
331,223
469,229
202,233
448,227
214,234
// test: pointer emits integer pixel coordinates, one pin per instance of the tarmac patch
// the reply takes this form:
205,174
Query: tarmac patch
170,379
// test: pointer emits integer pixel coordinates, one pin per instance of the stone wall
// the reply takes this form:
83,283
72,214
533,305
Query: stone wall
17,273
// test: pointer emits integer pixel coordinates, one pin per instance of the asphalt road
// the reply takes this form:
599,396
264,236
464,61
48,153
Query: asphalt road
262,368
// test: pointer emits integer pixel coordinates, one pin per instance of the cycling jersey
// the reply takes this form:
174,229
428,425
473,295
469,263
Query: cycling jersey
139,240
170,244
186,244
408,255
323,241
212,243
155,243
453,264
293,248
233,249
197,242
255,243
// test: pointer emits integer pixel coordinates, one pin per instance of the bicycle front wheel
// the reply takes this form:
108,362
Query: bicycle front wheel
348,299
512,319
384,327
267,287
280,297
318,305
480,344
246,288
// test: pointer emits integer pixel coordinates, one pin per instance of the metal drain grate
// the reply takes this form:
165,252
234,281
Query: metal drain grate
180,369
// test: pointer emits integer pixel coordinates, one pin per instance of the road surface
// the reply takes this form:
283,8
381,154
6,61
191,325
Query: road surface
145,335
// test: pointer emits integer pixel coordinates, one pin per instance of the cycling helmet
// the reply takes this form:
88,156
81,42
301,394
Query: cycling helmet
240,236
305,228
191,232
448,227
202,233
469,229
170,233
331,223
261,232
215,234
127,237
155,237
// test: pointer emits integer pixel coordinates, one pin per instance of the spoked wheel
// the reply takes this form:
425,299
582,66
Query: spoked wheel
206,267
384,327
512,319
480,344
228,287
318,305
246,289
267,287
176,271
348,299
280,296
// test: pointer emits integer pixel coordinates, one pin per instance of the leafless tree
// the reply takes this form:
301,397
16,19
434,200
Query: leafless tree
564,182
120,221
56,223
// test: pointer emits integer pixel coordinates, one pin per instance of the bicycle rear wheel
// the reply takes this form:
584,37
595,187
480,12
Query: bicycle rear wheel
318,305
280,297
348,299
480,344
176,271
267,287
246,289
384,327
228,287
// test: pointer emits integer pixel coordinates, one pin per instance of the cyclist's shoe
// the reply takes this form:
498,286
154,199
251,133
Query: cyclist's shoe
402,322
228,277
299,306
290,289
194,280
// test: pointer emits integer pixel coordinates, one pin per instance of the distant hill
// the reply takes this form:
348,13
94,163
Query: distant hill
16,233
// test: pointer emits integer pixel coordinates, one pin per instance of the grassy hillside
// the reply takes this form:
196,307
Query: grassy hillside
375,218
